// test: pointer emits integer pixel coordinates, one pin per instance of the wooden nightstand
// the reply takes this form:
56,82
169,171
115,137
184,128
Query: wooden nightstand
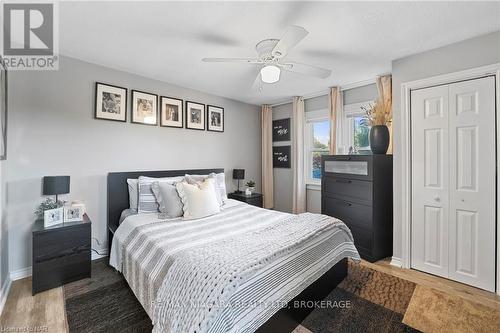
61,254
253,199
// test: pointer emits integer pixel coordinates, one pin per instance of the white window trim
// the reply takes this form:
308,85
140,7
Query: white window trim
351,111
312,116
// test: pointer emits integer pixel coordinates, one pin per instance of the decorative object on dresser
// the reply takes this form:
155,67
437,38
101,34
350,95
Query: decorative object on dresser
215,118
55,185
61,254
378,116
281,157
357,189
172,114
281,130
238,174
195,116
74,213
3,109
52,217
110,102
254,199
250,187
144,108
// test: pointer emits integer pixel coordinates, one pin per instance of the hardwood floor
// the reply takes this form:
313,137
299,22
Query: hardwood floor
45,312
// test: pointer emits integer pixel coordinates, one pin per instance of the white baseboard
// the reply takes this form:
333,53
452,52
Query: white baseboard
20,273
395,261
4,293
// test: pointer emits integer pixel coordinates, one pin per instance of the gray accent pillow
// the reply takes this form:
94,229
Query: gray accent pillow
147,199
168,199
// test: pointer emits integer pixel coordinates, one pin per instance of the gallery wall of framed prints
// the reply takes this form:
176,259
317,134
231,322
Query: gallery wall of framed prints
152,109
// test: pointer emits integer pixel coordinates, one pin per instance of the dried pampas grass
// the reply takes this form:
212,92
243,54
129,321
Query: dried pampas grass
379,113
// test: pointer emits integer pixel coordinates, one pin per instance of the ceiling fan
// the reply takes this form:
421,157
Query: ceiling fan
272,53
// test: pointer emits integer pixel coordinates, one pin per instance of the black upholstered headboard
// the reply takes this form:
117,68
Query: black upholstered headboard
118,191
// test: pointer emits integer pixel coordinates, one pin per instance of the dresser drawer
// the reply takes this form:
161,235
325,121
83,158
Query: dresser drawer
349,189
362,238
350,212
60,243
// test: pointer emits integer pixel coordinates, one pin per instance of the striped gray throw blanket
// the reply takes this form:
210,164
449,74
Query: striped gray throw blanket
232,271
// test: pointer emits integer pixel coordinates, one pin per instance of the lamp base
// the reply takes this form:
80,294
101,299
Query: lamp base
238,192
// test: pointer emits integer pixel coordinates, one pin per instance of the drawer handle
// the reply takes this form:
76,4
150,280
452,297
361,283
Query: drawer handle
347,181
348,204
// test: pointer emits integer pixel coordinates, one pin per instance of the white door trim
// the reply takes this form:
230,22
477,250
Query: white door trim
406,89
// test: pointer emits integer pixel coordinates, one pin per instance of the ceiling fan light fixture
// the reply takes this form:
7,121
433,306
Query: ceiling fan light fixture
270,74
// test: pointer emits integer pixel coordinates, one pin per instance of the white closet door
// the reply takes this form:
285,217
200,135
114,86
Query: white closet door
430,182
472,182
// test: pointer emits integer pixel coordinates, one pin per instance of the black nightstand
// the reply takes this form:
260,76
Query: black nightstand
61,254
253,199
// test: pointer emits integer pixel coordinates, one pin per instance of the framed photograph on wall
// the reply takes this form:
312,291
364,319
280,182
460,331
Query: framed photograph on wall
281,130
144,108
195,115
110,102
171,114
3,110
215,118
281,157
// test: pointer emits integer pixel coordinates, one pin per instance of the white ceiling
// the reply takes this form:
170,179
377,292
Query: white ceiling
357,40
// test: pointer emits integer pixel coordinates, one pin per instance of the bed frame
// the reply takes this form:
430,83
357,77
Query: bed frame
286,319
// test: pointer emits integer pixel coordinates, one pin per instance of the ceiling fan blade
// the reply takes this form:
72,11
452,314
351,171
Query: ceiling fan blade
257,83
292,36
295,67
238,60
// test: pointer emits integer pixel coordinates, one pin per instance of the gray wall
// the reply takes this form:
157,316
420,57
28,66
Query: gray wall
283,177
475,52
283,185
52,132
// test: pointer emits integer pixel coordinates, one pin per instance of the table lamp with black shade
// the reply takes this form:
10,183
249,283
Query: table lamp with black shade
55,185
238,174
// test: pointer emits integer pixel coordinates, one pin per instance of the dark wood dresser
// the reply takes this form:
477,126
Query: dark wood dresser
254,199
357,189
61,254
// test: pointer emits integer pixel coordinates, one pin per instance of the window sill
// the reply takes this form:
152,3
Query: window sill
313,186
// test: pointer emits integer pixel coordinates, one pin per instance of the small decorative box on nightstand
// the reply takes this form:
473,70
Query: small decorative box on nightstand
253,199
61,254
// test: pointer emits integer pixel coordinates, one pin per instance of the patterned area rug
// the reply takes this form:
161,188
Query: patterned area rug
377,303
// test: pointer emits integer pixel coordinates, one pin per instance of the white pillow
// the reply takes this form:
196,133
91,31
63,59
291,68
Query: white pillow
198,200
147,200
220,184
133,194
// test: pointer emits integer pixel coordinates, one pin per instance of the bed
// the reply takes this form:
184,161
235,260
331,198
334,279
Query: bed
245,269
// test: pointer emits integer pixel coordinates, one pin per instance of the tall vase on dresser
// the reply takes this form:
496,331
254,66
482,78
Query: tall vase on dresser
357,189
378,116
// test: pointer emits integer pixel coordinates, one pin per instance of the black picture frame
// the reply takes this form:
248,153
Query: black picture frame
98,106
282,157
281,130
181,112
209,126
3,108
133,116
203,114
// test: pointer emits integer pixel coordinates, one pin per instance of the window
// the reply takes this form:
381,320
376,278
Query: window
317,143
355,131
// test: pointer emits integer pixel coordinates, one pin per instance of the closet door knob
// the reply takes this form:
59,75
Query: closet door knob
436,198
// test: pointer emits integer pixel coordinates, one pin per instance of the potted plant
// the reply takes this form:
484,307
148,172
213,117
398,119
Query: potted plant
48,204
250,187
378,116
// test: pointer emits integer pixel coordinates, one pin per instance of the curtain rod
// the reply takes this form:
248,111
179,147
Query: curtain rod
325,92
